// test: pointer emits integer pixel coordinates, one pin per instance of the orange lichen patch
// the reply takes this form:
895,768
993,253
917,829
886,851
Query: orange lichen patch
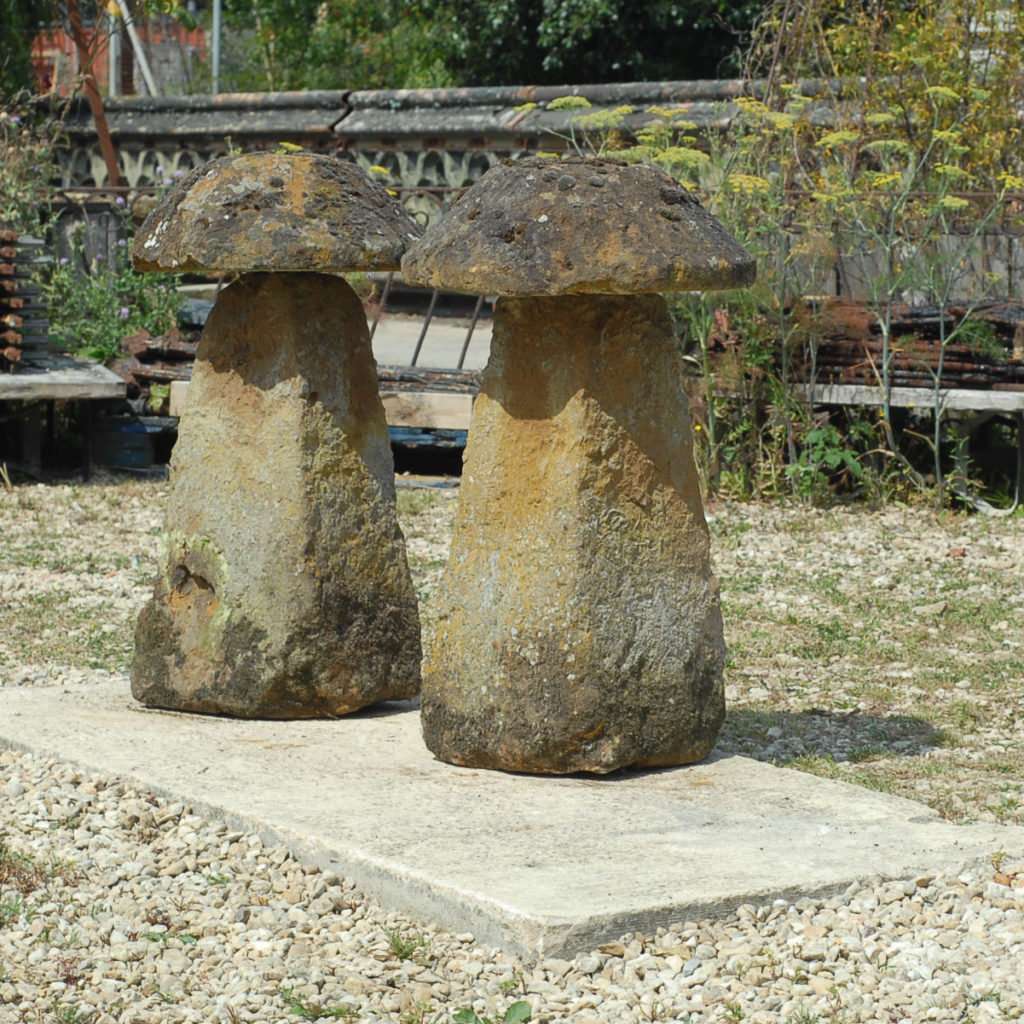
192,593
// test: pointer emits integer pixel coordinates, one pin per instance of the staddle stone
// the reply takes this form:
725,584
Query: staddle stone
275,211
283,589
577,225
579,626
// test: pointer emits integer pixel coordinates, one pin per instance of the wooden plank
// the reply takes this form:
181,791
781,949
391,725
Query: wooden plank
923,398
176,398
431,410
427,410
60,377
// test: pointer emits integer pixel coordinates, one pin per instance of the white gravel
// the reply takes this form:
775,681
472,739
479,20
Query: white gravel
119,906
151,913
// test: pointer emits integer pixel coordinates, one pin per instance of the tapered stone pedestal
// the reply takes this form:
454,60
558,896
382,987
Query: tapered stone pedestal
579,625
283,589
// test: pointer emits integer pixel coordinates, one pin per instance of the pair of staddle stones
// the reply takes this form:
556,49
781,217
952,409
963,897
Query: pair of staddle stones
579,625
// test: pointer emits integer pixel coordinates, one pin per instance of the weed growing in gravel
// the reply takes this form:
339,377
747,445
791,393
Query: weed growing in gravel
25,874
416,1014
11,909
514,1014
803,1017
654,1012
403,948
517,983
68,1013
310,1011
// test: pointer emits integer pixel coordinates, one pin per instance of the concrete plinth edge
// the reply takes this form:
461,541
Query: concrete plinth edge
539,866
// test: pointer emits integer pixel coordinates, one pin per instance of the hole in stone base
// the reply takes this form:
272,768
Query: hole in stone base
189,590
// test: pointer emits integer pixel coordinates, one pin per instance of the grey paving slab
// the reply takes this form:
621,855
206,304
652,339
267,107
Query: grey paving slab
540,866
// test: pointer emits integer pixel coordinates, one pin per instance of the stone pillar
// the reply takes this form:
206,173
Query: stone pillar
283,590
579,625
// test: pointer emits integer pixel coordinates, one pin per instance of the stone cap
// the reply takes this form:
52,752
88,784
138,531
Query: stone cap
275,211
549,227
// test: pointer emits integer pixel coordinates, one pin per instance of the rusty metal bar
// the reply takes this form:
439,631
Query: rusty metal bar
426,326
469,334
382,305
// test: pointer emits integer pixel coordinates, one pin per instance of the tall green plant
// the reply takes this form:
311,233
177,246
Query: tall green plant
28,133
95,297
894,173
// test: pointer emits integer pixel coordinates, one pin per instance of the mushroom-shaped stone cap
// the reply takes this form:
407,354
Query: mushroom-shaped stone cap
275,211
549,227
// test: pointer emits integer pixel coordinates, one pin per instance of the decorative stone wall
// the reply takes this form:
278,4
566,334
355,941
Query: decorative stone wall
439,139
433,142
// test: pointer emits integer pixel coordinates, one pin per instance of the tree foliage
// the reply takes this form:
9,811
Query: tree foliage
21,20
365,44
563,42
331,44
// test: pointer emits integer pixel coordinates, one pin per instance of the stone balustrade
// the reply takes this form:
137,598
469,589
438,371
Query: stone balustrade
432,142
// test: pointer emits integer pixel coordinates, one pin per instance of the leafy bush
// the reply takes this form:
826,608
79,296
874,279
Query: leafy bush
95,297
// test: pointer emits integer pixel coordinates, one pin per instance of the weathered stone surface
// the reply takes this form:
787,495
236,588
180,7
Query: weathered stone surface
275,211
548,227
579,626
284,589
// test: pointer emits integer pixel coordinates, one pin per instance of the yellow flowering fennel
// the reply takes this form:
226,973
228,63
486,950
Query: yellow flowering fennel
748,184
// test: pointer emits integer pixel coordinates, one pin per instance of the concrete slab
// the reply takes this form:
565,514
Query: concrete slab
540,866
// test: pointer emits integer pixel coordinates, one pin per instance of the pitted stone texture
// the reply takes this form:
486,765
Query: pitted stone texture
543,227
580,627
284,590
275,211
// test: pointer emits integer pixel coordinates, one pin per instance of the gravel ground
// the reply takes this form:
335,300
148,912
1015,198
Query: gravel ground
880,647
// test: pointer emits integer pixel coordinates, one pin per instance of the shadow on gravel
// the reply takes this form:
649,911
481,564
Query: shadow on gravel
785,736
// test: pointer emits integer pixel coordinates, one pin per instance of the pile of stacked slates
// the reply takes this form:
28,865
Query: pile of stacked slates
23,323
148,360
850,347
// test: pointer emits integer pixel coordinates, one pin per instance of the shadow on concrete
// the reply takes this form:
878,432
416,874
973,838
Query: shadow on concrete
782,737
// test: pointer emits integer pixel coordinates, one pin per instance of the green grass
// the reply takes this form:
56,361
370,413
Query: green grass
920,691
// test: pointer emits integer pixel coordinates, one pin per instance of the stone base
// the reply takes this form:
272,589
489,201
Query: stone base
283,589
580,627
